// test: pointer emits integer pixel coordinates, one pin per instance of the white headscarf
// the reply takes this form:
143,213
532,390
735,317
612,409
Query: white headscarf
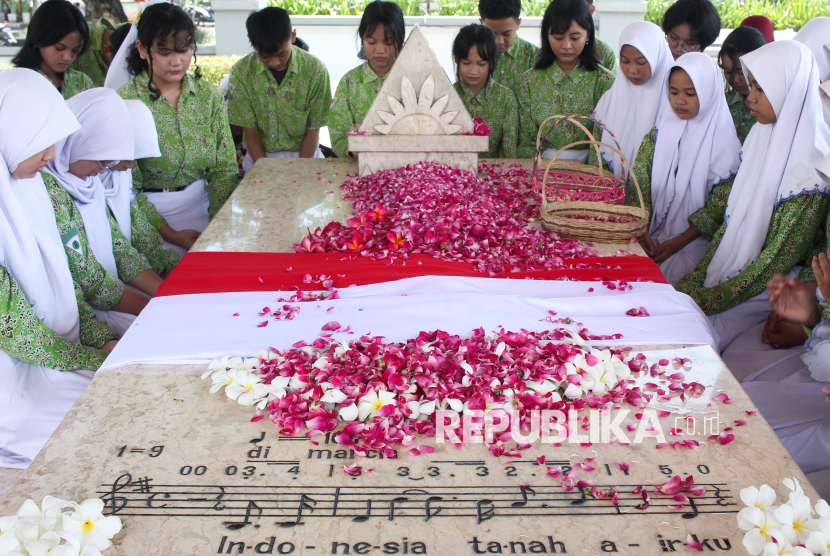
118,186
778,159
815,35
630,111
119,74
106,134
33,117
692,156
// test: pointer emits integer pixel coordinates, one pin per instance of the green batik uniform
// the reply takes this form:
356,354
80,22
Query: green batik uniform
282,113
92,62
195,141
510,65
101,289
24,336
74,82
642,169
147,240
740,115
354,96
497,106
551,92
607,56
791,234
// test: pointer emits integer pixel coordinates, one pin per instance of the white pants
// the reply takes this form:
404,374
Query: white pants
248,161
684,261
34,402
570,154
186,209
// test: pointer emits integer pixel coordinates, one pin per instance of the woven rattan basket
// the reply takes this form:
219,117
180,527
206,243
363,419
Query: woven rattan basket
562,216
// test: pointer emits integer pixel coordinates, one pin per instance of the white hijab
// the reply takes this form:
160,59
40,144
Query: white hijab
118,186
815,35
119,74
33,117
692,156
106,134
778,158
630,111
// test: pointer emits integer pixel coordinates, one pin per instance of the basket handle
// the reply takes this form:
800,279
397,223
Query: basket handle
596,144
573,120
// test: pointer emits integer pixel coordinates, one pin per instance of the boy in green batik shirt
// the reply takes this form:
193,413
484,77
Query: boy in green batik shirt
96,60
279,94
516,55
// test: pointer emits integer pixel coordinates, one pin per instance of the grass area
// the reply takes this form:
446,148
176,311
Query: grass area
785,14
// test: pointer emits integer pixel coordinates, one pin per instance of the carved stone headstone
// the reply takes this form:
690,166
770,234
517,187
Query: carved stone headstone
417,116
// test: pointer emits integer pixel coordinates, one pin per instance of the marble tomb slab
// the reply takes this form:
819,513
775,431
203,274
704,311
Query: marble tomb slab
281,199
188,473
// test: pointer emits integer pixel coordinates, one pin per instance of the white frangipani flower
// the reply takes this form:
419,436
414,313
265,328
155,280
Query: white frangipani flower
44,545
573,391
762,498
7,523
372,402
90,526
451,404
500,349
784,548
546,387
421,409
348,413
796,519
819,541
764,527
247,388
823,508
73,547
225,363
10,546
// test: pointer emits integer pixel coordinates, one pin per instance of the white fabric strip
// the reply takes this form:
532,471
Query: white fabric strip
197,328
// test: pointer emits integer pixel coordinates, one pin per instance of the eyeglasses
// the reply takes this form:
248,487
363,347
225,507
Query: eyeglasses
106,168
685,46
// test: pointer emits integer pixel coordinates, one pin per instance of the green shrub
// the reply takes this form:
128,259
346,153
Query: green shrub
214,68
785,14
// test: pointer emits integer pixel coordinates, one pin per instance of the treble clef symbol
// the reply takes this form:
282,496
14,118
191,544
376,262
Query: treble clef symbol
117,503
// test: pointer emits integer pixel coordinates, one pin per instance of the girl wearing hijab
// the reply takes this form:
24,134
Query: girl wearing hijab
80,205
187,185
121,199
815,35
742,40
630,107
777,203
693,153
51,342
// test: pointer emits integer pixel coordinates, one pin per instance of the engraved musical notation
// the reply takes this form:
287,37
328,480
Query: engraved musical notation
290,506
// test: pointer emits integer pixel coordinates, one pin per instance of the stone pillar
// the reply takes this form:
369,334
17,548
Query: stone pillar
230,16
614,16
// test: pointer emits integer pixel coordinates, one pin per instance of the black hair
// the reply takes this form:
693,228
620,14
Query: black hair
557,20
702,17
300,43
483,38
268,30
500,9
742,40
117,37
385,13
50,23
161,22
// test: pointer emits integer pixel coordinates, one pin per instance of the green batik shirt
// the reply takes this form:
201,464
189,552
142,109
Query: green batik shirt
147,240
282,113
354,96
195,142
740,115
74,82
24,336
510,65
791,231
707,218
92,62
101,289
607,56
551,92
497,106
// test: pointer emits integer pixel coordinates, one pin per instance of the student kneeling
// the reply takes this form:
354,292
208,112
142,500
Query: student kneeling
279,94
